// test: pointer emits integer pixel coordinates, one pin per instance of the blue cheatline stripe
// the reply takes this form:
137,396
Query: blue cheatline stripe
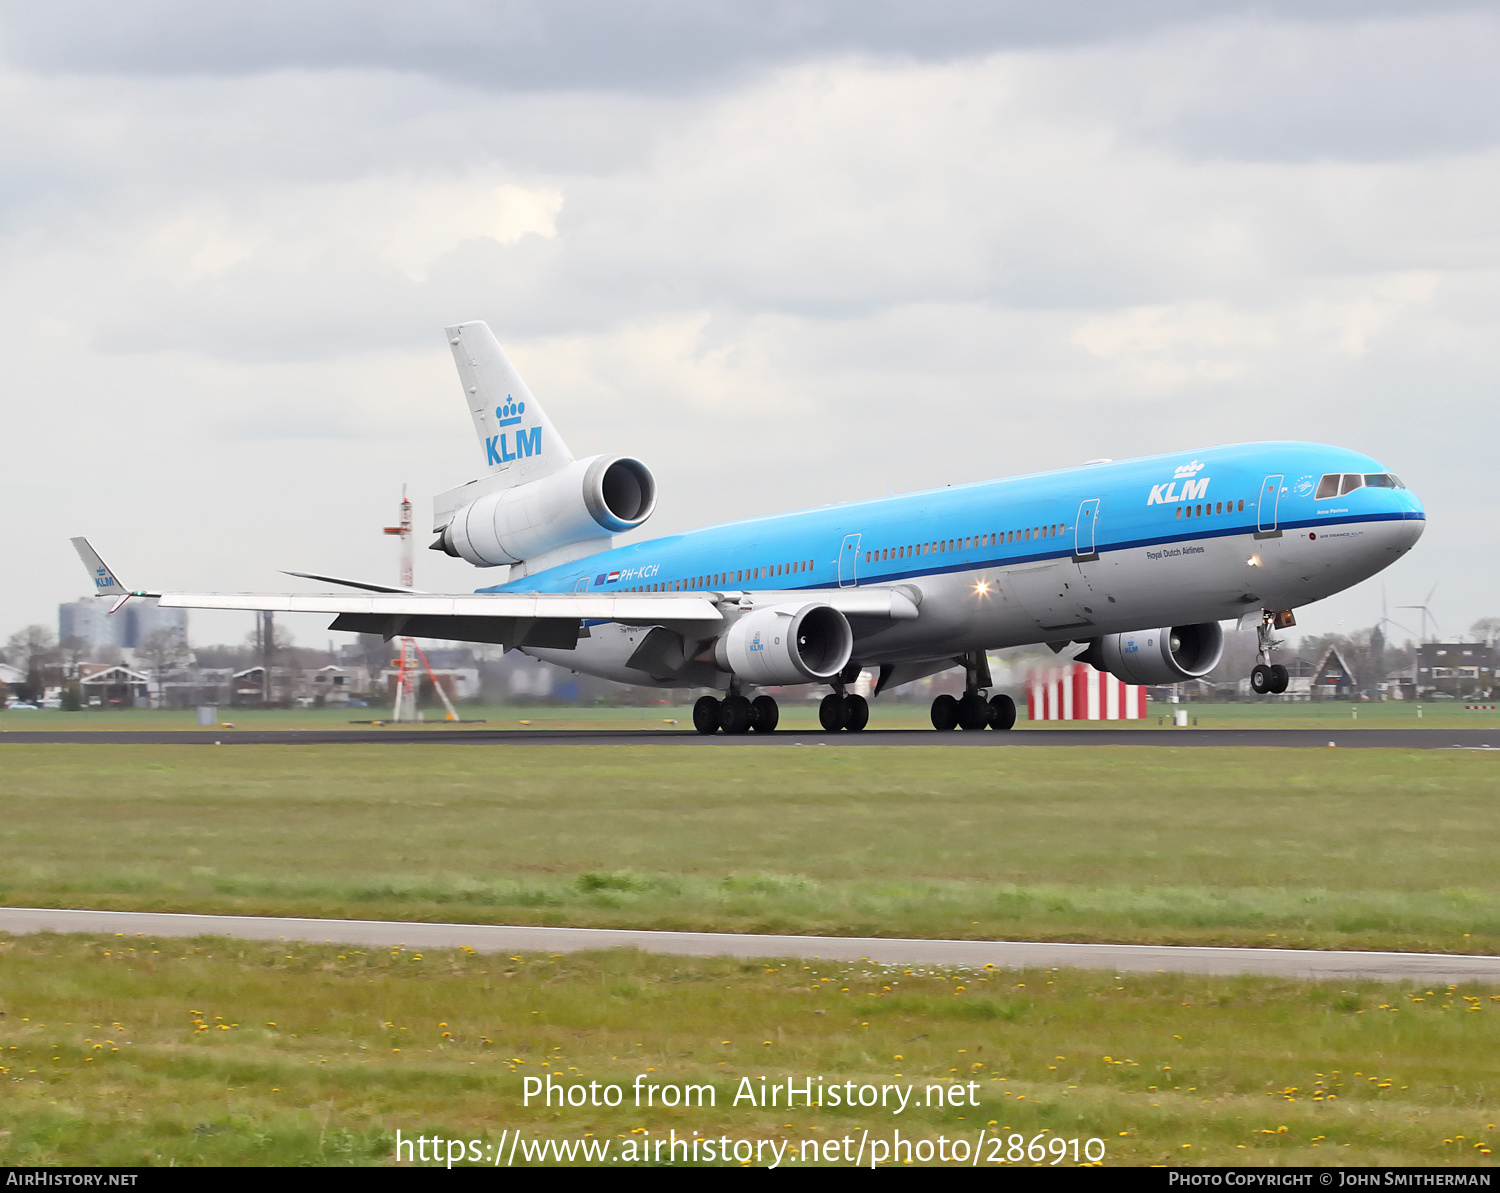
1013,561
1131,544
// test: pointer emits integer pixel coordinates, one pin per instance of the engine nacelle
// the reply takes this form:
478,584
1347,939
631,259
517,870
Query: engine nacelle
787,644
589,499
1167,655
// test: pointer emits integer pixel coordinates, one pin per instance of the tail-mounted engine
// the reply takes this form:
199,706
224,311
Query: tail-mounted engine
1167,655
586,500
786,644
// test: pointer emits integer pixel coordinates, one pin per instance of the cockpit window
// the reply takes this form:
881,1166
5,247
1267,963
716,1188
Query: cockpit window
1335,484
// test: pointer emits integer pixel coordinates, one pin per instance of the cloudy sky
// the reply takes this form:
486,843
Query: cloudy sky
787,253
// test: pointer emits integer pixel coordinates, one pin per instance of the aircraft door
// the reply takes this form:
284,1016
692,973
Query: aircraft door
849,562
1267,504
1083,530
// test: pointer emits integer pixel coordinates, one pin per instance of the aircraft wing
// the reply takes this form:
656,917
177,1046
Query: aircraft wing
536,619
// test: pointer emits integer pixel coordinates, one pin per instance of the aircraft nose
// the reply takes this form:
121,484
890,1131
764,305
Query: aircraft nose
1413,516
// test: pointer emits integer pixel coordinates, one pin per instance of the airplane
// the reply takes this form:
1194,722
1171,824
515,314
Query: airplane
1140,562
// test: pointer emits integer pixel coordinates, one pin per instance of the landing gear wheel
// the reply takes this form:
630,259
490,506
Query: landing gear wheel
944,713
1002,713
1280,678
1260,679
857,713
706,715
764,713
833,714
973,712
734,715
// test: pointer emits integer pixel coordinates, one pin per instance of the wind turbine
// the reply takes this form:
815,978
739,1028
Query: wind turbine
1426,614
1388,621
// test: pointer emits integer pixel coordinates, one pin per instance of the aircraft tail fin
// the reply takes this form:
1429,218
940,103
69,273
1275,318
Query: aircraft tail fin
516,439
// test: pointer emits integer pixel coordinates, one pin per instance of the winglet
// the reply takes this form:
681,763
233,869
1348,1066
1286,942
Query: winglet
105,582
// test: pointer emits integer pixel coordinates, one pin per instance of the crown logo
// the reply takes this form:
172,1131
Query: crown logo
1185,470
510,409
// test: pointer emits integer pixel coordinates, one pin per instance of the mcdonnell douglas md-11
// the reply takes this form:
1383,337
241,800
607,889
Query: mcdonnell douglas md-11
1139,562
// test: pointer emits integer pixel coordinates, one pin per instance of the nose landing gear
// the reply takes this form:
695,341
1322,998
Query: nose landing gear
973,711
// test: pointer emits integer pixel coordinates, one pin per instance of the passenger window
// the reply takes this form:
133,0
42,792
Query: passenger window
1218,507
1328,487
1352,481
1242,505
1179,511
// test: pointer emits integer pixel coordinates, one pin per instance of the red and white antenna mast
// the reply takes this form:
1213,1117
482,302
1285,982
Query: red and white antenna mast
406,665
404,530
407,678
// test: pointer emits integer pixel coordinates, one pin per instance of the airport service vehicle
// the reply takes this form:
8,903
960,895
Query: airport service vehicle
1139,563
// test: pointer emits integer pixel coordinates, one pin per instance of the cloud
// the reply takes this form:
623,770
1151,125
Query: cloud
627,45
222,290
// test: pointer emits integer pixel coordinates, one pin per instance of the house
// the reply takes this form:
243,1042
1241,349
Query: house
1332,679
113,685
1457,669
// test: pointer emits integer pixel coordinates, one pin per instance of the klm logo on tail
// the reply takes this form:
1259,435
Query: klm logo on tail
528,441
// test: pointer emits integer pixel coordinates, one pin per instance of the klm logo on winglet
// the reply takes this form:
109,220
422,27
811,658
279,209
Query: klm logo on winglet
1194,488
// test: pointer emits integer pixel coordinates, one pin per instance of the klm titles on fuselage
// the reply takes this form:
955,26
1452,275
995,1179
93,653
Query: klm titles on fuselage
1194,488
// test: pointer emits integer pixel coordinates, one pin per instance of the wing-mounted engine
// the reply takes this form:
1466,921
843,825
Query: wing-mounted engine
536,506
587,501
1170,654
786,644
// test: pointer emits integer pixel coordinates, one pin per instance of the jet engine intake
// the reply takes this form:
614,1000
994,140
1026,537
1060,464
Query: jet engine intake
589,499
1170,654
786,644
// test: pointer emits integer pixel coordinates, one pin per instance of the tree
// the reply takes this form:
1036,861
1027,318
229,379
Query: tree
33,651
162,650
1485,630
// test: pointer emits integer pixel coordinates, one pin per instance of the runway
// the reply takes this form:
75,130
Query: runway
1407,739
1424,968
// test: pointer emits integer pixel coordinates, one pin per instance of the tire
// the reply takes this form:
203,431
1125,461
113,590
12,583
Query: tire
764,714
1280,678
945,714
973,712
706,715
833,714
857,713
734,715
1002,713
1260,679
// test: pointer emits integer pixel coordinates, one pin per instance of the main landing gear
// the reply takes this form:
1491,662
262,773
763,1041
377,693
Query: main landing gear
973,711
735,714
1268,678
841,710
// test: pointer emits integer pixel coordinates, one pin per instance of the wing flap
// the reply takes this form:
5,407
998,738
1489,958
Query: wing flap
645,608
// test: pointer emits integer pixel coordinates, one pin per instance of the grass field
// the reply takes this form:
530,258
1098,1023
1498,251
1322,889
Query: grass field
141,1052
1302,848
796,715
